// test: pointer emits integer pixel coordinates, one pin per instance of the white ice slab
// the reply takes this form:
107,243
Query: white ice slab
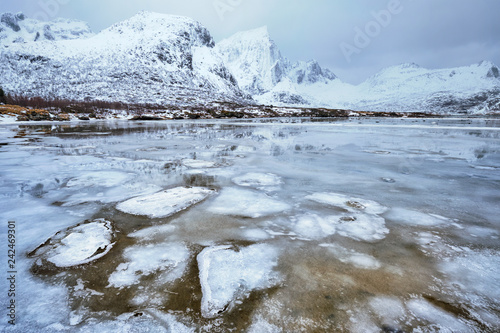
350,204
78,245
227,275
169,258
246,203
256,179
164,203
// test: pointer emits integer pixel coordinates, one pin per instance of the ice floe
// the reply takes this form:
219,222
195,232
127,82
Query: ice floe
164,203
350,204
77,245
258,180
246,203
168,260
228,274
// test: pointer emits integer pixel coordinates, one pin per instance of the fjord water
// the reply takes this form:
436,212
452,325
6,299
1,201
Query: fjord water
282,225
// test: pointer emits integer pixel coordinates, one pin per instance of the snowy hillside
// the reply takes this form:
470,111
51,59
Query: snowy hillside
150,58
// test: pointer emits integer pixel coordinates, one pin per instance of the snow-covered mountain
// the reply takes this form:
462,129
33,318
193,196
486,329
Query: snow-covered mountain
261,71
170,60
256,62
149,58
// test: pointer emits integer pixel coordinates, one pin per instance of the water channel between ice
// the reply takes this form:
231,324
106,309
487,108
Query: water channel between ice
283,225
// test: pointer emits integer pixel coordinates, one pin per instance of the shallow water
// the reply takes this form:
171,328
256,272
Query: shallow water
311,226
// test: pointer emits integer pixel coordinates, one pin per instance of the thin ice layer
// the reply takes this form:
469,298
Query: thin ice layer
246,203
198,164
227,274
164,203
412,217
350,204
78,245
256,179
169,258
99,178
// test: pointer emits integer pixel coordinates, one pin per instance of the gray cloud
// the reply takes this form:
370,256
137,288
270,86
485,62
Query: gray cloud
432,33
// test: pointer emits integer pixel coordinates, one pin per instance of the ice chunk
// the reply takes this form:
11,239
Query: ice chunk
198,164
246,203
406,216
99,178
255,179
350,204
78,245
227,274
170,258
164,203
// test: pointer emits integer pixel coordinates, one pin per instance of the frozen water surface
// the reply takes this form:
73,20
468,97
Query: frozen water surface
283,225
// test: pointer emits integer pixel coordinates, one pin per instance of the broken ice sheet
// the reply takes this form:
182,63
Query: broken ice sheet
164,203
168,259
77,245
228,274
246,203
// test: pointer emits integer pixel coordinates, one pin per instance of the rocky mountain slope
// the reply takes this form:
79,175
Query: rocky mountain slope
149,58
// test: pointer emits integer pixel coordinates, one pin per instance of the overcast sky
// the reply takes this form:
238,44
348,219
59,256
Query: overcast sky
354,38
